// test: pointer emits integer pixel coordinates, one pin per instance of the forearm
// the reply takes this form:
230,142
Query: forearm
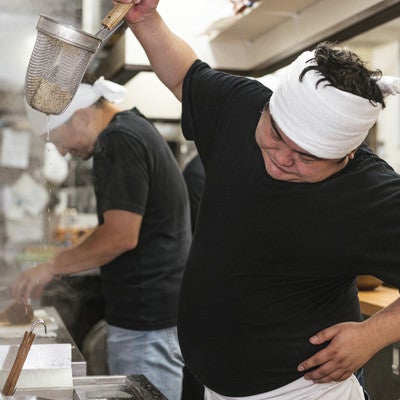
169,55
384,326
118,234
97,249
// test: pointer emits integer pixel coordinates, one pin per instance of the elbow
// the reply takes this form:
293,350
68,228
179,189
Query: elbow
128,244
177,90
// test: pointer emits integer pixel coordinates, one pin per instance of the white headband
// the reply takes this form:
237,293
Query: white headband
85,96
323,120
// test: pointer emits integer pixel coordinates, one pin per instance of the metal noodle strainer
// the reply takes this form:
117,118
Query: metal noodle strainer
60,58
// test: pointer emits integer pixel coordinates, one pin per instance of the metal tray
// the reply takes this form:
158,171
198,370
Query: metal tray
113,387
133,387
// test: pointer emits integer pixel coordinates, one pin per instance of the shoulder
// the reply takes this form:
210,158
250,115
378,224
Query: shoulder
369,170
130,121
194,167
129,125
365,157
202,74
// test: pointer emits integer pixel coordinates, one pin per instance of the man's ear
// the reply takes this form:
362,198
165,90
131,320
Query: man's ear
352,153
82,116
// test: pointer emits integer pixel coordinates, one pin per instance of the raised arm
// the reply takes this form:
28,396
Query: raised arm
169,55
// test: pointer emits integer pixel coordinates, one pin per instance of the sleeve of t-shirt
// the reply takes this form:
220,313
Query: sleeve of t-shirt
122,169
210,98
381,257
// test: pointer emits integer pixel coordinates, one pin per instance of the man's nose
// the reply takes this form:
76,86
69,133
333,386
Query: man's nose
284,156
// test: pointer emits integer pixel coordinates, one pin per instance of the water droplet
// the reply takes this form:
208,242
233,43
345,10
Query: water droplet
48,128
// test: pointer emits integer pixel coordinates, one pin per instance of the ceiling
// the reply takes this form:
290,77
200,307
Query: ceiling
268,15
388,32
19,19
277,31
265,38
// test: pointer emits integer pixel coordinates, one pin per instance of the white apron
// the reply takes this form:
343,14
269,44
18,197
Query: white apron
303,389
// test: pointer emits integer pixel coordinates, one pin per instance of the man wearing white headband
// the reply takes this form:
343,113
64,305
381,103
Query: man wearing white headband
143,236
294,207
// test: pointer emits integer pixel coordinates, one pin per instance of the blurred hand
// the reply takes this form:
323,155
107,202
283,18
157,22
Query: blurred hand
31,282
140,11
349,349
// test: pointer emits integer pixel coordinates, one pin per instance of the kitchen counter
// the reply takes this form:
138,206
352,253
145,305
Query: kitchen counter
372,301
381,373
57,336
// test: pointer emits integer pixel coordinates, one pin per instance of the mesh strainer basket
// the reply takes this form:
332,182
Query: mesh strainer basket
58,62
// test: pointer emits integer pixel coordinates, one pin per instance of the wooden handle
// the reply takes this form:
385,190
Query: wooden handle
24,347
114,17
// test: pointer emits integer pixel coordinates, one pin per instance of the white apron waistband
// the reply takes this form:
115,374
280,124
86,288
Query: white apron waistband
302,389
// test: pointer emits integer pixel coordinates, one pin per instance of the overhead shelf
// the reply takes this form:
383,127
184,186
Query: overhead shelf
263,16
275,32
269,35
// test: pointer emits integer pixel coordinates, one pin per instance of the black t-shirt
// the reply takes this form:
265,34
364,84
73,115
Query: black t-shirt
136,171
272,262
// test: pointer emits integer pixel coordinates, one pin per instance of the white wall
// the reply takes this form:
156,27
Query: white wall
387,58
188,18
151,97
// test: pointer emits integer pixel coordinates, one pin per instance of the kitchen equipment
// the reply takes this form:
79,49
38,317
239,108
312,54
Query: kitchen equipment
110,387
132,387
368,282
60,58
47,370
13,331
17,314
24,347
5,293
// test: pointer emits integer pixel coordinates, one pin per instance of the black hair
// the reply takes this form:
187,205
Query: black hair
345,70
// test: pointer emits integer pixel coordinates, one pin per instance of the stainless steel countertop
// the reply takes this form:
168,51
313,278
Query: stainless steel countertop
62,336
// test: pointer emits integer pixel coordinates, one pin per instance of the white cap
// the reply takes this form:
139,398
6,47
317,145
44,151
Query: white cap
85,96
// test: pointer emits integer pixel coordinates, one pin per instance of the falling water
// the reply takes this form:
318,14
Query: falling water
46,236
48,128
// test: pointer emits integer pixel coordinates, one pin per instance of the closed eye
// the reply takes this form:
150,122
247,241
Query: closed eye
304,157
275,133
307,159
